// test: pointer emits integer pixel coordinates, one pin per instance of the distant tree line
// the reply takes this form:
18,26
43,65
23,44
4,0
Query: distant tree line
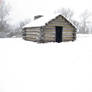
7,30
84,25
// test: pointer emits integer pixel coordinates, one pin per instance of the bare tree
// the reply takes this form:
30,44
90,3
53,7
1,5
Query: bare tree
23,23
17,29
84,22
4,12
66,12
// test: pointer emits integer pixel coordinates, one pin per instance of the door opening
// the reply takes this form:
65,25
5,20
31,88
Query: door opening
59,30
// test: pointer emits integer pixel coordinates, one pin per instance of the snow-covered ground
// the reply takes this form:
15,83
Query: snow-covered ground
52,67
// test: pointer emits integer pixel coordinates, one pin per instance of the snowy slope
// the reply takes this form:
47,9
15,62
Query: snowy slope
30,67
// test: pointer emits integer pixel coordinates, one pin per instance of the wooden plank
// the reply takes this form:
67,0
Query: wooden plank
49,32
49,39
67,30
67,38
49,36
53,29
30,39
32,36
49,26
66,33
32,33
67,26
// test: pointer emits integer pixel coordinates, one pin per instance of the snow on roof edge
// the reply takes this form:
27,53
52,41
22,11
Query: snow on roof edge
42,21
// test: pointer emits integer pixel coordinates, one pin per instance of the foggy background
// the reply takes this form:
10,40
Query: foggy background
17,13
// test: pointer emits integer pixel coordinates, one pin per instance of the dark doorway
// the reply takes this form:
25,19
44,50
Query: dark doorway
59,34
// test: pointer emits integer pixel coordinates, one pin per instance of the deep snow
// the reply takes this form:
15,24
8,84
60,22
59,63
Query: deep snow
52,67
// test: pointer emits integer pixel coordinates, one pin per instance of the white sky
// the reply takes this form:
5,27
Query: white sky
28,8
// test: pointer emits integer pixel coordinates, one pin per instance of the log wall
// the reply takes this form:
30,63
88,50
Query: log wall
32,34
68,34
48,32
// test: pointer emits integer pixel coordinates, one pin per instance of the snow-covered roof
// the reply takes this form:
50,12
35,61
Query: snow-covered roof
43,20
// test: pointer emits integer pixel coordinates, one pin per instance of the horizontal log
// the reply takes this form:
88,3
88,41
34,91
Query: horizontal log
49,33
67,30
32,33
31,39
68,27
67,38
68,33
28,36
48,36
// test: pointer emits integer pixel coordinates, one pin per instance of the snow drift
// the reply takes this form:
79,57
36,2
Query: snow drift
52,67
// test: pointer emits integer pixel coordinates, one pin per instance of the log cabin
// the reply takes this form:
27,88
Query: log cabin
54,28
